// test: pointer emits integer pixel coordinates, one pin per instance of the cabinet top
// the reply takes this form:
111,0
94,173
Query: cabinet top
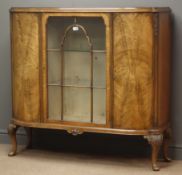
56,10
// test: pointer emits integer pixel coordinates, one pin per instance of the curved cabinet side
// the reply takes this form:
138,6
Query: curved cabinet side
164,70
25,66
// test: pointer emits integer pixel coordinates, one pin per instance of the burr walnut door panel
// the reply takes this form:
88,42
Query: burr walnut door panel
25,66
133,70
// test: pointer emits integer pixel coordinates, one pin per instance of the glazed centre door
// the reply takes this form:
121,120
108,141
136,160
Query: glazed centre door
78,75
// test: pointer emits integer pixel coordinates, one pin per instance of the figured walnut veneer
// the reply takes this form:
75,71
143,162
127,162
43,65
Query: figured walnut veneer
25,67
133,70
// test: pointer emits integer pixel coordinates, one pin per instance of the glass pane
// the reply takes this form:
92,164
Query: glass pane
99,106
54,67
76,41
56,28
99,69
76,104
94,26
77,68
54,103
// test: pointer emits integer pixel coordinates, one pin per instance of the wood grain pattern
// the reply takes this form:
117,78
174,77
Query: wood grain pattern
133,79
25,66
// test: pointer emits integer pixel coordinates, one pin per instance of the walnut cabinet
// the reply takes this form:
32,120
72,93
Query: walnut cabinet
92,70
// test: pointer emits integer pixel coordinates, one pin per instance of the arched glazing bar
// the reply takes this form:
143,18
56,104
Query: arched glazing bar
75,27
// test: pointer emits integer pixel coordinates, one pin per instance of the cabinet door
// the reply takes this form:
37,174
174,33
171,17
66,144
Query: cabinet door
133,70
25,66
77,68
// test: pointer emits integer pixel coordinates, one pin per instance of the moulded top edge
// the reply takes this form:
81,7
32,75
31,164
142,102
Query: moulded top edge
56,10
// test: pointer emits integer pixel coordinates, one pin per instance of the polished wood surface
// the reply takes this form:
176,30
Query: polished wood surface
86,128
164,69
133,65
138,61
123,10
25,66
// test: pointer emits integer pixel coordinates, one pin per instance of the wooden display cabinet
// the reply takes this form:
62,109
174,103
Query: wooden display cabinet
92,70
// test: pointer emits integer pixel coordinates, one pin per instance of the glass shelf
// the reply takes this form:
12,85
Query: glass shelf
59,50
74,74
94,87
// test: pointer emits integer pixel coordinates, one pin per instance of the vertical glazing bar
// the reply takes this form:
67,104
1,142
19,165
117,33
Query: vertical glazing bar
62,76
91,86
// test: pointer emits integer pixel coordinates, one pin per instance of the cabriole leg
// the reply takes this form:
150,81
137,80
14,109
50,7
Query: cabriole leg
155,141
12,133
165,144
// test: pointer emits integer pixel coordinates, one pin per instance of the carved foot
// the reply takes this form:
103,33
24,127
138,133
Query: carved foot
12,133
155,142
29,137
155,167
165,145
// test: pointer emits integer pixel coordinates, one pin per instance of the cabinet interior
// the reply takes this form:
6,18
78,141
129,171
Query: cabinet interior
76,57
